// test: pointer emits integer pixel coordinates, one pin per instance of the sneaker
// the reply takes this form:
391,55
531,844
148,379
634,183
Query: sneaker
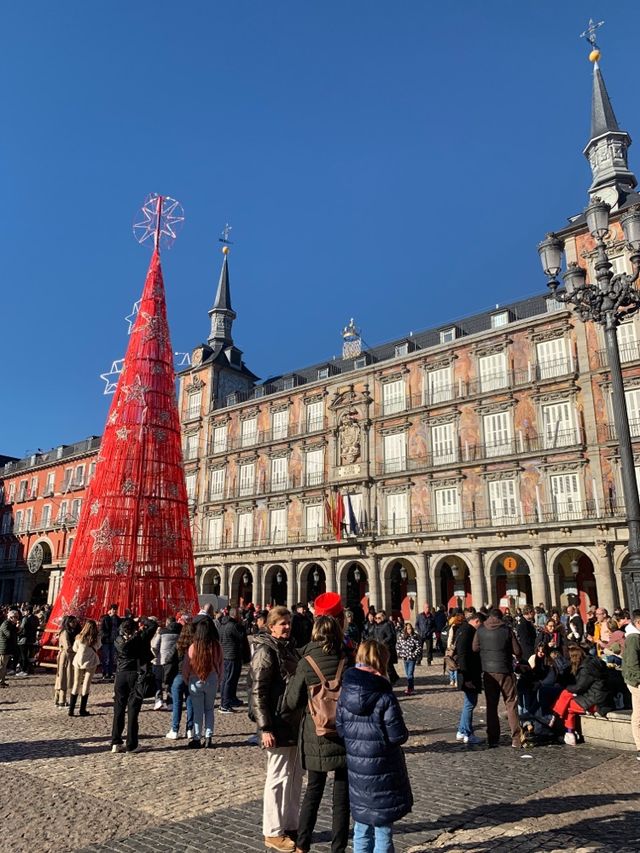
135,749
638,756
194,744
237,703
280,842
189,734
22,674
252,740
157,705
472,740
231,711
570,739
460,736
171,735
117,747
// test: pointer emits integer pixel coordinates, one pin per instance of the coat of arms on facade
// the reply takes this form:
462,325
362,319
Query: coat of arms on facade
349,437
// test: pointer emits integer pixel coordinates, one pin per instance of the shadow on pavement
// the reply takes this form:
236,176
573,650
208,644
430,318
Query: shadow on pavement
34,749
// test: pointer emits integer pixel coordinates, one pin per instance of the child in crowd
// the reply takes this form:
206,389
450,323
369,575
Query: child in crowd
370,721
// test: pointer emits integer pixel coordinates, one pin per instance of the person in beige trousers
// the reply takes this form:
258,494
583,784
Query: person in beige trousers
64,672
85,663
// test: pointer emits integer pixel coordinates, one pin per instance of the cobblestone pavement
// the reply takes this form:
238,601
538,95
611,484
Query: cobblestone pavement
63,790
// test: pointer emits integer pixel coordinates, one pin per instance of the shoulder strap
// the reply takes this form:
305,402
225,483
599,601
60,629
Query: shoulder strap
314,666
340,669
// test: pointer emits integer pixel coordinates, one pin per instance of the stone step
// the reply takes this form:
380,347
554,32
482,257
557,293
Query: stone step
612,731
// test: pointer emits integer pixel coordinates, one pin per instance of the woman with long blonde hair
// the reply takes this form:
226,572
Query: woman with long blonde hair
85,663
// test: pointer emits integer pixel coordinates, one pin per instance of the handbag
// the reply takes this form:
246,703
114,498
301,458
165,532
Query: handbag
146,683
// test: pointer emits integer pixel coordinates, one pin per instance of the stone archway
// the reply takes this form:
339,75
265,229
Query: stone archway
452,582
575,580
354,585
211,582
510,581
313,582
275,585
242,586
400,579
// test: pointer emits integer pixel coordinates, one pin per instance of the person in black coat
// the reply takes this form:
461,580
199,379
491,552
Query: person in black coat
133,658
370,722
233,640
589,692
385,633
526,633
469,675
425,627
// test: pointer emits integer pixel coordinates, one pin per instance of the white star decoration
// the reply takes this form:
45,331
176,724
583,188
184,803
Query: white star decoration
121,566
154,328
122,434
128,487
136,391
131,318
103,537
112,376
171,218
113,417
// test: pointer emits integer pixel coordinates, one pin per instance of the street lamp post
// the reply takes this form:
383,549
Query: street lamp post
611,299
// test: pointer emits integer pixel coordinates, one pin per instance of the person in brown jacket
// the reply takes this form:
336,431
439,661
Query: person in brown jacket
498,645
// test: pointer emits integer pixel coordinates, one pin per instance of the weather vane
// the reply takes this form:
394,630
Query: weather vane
225,234
162,219
590,33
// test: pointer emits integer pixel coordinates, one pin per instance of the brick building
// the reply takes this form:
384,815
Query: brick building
476,462
40,501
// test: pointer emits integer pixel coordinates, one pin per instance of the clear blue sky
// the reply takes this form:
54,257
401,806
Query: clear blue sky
396,162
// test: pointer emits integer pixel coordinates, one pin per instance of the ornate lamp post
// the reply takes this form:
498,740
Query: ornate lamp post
606,302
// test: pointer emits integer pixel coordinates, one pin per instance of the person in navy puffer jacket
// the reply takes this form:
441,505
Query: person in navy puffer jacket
370,722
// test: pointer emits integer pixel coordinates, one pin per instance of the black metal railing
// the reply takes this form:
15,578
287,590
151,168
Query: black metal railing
269,436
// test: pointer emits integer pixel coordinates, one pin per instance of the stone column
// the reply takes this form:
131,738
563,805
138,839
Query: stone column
538,582
476,576
377,595
423,582
223,571
607,593
258,591
291,568
554,587
331,579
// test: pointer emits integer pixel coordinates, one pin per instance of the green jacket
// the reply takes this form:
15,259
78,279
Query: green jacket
631,659
324,753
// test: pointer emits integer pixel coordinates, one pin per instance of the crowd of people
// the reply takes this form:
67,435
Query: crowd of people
320,689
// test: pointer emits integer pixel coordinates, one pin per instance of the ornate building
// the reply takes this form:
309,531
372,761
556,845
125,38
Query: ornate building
475,462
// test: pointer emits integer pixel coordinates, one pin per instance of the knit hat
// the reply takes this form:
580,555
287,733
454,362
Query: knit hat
328,604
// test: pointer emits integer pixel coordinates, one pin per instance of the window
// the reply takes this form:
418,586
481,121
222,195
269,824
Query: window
17,525
315,416
70,542
193,407
500,319
249,433
278,526
247,478
78,476
358,513
33,488
279,467
497,433
323,373
619,264
493,371
401,349
627,341
397,518
359,363
447,508
503,505
191,446
245,529
558,425
217,483
552,358
288,383
22,492
67,479
438,388
554,304
565,493
46,516
393,397
215,531
220,439
280,424
76,506
633,411
443,444
313,521
314,464
190,481
63,512
50,484
12,492
448,335
92,472
28,518
395,452
6,523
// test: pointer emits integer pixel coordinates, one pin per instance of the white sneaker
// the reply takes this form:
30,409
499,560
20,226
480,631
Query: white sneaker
570,739
172,735
22,675
158,705
189,734
118,747
460,736
472,740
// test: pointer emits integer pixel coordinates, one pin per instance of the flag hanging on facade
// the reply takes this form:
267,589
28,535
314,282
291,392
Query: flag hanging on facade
338,517
352,521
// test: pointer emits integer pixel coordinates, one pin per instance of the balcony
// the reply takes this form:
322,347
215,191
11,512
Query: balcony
608,432
267,437
629,351
262,487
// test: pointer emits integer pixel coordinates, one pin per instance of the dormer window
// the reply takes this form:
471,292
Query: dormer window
323,373
359,363
288,383
500,319
402,349
448,335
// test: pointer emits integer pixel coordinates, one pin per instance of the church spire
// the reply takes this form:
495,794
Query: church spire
607,148
222,314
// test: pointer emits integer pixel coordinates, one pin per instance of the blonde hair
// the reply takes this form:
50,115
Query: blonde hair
89,633
374,654
276,614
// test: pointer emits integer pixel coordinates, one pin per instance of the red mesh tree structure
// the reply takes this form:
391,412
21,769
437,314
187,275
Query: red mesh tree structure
133,542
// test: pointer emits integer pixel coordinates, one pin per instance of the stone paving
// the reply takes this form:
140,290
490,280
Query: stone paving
63,790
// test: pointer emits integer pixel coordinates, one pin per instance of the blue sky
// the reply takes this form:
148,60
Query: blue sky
395,162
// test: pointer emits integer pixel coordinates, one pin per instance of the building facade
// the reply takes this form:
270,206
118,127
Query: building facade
41,497
476,462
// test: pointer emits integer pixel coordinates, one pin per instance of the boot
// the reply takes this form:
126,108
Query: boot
83,706
73,698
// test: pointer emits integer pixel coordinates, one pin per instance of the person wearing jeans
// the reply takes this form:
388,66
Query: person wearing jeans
409,649
469,675
372,839
201,671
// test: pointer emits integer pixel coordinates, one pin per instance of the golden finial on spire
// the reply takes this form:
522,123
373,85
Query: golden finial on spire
224,238
590,35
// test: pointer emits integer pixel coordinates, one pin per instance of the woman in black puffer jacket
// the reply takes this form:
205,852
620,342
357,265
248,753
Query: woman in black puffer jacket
321,754
588,693
370,721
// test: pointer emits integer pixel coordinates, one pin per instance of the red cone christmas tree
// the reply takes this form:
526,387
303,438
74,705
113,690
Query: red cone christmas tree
133,542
